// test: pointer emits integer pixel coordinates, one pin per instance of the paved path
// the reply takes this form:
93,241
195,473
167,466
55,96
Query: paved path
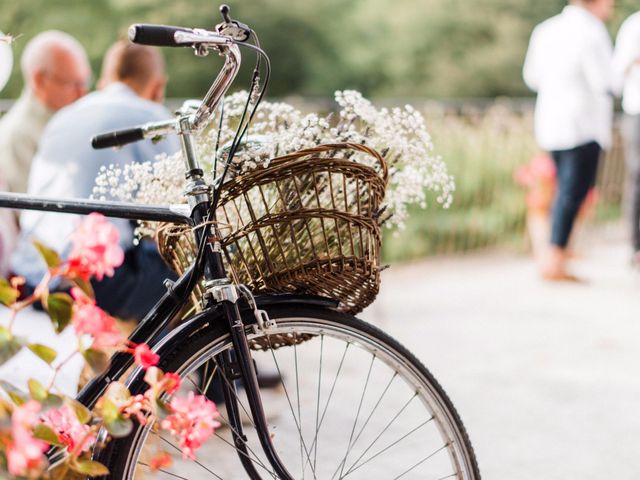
545,376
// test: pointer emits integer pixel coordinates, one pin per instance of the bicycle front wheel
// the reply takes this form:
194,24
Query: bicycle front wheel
351,403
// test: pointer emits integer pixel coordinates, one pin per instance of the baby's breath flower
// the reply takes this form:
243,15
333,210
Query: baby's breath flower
400,134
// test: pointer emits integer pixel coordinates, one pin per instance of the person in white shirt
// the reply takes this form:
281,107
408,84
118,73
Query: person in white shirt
8,227
568,64
56,73
626,82
65,166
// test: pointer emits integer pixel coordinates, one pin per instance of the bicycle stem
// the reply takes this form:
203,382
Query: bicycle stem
222,83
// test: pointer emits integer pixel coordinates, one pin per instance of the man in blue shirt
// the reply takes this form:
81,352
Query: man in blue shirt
131,89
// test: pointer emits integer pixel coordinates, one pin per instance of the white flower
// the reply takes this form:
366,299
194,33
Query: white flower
278,128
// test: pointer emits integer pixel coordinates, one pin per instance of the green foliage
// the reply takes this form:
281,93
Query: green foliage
89,467
16,395
45,353
46,434
482,151
51,258
434,48
59,308
8,294
9,345
98,361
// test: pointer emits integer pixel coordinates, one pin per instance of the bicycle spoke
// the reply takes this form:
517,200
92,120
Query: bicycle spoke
448,476
164,471
286,392
233,390
295,358
210,378
255,459
395,417
195,461
355,422
333,386
424,460
314,447
368,419
380,452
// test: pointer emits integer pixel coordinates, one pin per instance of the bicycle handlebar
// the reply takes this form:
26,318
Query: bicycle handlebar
157,35
117,138
224,39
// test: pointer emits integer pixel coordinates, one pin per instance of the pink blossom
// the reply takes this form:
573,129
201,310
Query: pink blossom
161,460
24,452
540,169
71,433
137,406
144,357
170,382
95,249
92,320
192,421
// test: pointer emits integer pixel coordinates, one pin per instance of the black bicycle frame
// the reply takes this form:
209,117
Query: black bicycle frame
20,201
169,305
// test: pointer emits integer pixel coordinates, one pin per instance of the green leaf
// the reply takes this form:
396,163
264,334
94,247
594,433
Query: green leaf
89,467
51,258
82,412
108,410
59,307
98,361
47,354
52,401
9,345
119,427
85,286
17,396
43,432
39,393
37,390
8,294
115,423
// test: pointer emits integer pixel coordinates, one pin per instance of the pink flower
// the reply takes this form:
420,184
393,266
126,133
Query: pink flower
161,460
144,357
95,249
24,453
137,406
71,433
92,320
192,421
170,382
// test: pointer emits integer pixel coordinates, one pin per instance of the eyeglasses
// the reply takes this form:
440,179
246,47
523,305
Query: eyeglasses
69,83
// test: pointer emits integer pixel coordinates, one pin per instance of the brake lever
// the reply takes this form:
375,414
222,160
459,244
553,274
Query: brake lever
238,31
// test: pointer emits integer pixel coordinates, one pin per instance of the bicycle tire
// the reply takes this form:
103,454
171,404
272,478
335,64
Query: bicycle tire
126,457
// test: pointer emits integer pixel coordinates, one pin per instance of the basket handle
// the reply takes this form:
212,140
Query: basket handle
342,146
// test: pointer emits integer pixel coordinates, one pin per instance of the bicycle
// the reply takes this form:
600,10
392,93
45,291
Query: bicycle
369,408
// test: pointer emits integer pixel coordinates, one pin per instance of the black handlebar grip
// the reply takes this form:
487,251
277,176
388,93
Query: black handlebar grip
156,35
117,138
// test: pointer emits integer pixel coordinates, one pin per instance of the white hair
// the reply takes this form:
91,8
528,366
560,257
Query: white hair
40,53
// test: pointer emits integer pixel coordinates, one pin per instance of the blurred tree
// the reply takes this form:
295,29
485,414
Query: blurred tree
433,48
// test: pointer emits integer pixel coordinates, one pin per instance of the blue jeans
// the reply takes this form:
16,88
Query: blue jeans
631,135
576,171
136,285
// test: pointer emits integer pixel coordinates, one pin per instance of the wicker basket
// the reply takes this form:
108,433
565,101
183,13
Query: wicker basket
307,223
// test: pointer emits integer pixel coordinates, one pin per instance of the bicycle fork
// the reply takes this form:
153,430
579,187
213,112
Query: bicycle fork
227,295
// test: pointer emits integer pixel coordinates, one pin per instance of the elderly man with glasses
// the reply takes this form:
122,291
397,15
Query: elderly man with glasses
56,73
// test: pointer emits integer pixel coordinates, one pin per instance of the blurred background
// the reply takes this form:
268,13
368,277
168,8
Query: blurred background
456,60
545,376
